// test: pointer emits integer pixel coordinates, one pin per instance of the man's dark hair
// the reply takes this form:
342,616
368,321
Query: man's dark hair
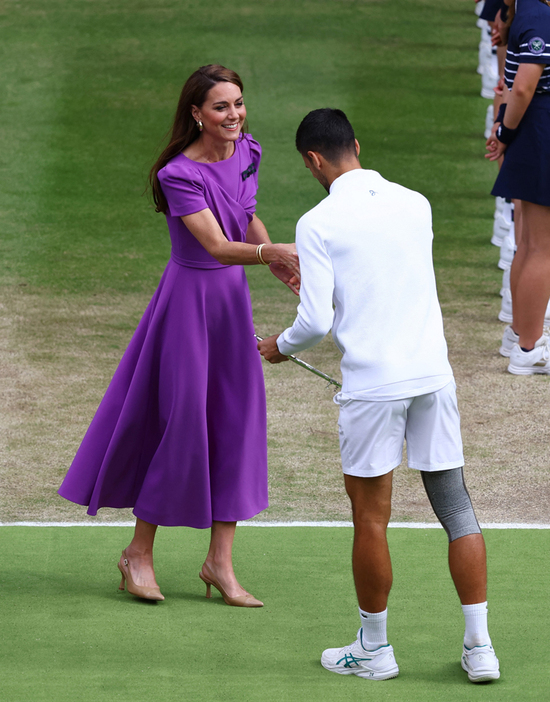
328,132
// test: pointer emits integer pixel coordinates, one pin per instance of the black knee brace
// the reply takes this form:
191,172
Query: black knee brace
451,502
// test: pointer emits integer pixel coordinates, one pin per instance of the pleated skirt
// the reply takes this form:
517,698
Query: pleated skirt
525,171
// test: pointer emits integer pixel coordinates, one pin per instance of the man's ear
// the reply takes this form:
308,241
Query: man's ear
315,159
357,148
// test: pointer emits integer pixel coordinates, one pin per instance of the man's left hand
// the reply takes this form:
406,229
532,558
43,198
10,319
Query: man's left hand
286,276
268,349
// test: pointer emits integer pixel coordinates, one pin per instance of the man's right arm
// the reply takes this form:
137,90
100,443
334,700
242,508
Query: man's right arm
315,312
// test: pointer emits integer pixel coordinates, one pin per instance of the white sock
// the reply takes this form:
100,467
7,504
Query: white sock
374,629
476,633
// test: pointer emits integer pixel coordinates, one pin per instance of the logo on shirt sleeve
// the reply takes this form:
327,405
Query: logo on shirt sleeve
536,46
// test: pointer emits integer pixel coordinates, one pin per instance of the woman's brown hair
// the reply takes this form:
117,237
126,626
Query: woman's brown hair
185,130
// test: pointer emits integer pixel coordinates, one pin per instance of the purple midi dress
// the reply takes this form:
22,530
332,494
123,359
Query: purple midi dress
180,434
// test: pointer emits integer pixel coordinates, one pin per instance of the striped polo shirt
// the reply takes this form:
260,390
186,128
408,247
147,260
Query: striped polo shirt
529,41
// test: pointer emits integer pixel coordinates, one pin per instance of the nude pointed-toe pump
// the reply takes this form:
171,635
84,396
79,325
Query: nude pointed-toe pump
145,593
241,601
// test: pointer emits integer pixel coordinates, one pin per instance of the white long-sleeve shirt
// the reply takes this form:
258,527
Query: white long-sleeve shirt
367,272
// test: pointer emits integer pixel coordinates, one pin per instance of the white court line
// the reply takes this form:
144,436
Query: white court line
392,525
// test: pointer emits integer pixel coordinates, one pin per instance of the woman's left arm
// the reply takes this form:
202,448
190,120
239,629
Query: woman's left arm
257,234
525,84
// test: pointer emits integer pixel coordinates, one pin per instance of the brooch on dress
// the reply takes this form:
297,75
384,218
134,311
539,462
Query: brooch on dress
249,171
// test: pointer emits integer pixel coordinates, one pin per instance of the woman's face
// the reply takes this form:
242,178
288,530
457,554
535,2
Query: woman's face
222,113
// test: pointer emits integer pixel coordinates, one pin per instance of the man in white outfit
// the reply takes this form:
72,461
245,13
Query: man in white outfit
367,273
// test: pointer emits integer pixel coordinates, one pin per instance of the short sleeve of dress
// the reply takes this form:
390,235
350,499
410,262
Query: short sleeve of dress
250,175
183,189
534,40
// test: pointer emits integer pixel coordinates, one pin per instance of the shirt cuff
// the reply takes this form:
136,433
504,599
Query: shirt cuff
284,347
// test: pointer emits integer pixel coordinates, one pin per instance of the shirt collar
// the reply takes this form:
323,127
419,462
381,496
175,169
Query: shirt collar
349,176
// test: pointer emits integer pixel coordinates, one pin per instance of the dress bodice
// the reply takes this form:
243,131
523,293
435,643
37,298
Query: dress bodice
228,188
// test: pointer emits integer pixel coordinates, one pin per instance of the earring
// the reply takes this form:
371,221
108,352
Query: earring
200,125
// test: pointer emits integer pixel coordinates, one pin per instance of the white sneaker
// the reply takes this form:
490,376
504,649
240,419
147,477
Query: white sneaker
355,660
509,339
505,314
536,361
485,46
507,250
488,84
499,205
504,220
489,77
505,282
485,50
480,663
501,230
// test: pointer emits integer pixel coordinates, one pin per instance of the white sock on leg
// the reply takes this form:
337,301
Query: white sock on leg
374,629
476,633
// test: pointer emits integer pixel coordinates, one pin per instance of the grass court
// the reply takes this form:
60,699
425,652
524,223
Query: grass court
69,635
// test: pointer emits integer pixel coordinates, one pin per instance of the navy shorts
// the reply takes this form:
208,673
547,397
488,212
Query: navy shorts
525,172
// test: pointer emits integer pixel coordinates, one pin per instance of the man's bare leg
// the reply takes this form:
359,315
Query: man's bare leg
372,571
370,656
468,566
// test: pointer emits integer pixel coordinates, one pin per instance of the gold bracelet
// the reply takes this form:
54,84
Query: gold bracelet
259,255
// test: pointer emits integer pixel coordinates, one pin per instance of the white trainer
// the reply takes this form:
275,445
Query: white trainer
501,229
507,250
484,49
503,220
499,205
506,315
489,77
489,80
480,663
509,339
536,361
355,660
505,282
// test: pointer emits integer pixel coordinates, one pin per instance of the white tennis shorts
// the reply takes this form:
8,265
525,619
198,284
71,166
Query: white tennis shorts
372,433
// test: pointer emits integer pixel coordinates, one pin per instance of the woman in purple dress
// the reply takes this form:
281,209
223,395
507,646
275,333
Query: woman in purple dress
180,435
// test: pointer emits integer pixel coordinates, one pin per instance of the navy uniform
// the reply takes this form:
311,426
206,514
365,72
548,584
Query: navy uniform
491,9
525,172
